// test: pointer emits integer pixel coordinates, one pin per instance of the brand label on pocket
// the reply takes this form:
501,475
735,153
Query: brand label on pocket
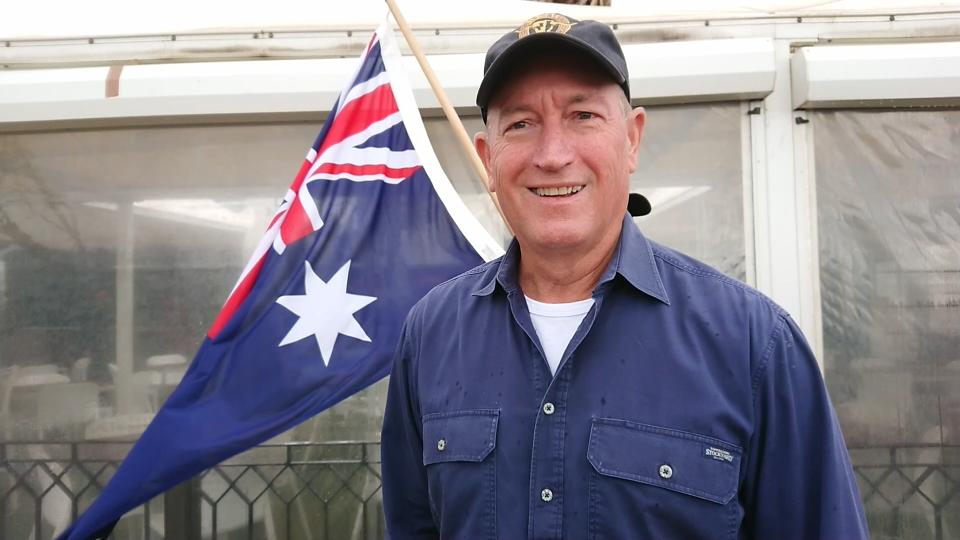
718,454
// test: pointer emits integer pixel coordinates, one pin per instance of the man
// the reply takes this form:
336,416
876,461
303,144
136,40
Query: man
591,383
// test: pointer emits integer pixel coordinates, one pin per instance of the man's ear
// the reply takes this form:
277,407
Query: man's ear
636,120
482,145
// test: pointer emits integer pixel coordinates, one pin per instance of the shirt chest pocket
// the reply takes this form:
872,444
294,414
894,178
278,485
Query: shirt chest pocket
659,479
458,450
468,435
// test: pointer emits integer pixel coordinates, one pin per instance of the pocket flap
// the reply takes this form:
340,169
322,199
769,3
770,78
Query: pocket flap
468,435
685,462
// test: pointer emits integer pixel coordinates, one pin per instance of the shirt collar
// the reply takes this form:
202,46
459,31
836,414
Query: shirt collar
633,259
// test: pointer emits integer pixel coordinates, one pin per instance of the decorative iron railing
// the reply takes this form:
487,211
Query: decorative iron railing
309,491
319,491
910,492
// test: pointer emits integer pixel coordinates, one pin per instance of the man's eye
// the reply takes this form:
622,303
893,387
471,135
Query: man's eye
517,125
584,115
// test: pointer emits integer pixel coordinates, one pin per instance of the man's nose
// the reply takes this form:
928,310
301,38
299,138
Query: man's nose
554,150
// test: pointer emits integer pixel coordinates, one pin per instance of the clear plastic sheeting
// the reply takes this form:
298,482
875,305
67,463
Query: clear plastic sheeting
117,249
173,213
888,198
691,170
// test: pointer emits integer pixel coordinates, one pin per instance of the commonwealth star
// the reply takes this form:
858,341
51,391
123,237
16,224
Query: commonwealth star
325,310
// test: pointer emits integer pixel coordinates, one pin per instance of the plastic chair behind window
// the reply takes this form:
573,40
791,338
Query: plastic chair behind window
65,409
39,369
78,373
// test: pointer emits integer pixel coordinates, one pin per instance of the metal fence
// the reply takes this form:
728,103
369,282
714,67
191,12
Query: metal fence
309,491
910,492
318,491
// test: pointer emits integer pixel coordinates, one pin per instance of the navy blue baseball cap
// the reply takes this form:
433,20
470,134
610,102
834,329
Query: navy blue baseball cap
594,38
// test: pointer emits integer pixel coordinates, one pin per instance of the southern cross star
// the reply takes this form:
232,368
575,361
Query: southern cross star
325,310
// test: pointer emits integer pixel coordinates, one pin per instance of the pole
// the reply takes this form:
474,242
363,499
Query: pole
448,110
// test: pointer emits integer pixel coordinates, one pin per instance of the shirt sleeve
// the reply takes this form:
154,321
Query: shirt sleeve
799,482
405,498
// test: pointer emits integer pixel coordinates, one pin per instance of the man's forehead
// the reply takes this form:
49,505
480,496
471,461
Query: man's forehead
572,79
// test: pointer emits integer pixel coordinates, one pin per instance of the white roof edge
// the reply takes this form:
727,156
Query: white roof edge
880,75
123,18
670,72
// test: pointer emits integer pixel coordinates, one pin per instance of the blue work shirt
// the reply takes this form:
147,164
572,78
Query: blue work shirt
687,405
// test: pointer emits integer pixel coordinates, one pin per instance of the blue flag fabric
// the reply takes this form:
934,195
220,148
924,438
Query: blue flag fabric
368,226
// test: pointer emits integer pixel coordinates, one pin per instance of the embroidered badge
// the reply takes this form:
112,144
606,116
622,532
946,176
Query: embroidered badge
553,22
718,454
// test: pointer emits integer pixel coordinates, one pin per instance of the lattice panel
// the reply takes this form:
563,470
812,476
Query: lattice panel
332,491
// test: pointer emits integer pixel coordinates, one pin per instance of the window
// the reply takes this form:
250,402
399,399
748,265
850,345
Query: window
888,200
691,170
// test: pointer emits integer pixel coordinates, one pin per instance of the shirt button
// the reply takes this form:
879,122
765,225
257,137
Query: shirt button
442,445
546,495
666,471
548,408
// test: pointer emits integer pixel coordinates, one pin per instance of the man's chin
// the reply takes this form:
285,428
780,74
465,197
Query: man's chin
558,240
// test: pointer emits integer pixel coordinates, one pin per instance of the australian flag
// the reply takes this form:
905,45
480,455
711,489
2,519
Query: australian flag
368,226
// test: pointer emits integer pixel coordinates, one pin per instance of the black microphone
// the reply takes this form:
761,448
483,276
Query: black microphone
638,205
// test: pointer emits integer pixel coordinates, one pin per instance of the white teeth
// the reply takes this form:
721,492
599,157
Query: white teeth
557,191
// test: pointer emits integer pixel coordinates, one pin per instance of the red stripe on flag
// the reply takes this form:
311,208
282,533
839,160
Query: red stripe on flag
236,298
336,168
359,114
297,223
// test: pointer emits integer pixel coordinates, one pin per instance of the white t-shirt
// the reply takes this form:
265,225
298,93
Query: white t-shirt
555,325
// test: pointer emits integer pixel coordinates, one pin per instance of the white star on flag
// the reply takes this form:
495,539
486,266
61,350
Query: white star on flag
325,311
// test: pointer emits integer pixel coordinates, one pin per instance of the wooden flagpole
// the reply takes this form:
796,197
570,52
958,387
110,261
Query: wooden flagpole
448,110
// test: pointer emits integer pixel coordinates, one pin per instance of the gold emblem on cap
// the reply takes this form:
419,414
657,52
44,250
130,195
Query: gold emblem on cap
550,22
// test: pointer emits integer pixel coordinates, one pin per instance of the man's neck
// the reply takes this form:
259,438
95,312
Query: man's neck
555,277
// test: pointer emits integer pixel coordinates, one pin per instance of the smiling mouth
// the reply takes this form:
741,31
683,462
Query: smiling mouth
564,191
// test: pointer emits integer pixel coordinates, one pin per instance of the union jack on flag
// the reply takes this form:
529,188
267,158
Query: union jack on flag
368,226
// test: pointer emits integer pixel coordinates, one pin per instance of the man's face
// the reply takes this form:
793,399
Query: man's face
559,148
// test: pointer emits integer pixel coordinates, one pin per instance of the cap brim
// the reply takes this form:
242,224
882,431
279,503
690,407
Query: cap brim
515,51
